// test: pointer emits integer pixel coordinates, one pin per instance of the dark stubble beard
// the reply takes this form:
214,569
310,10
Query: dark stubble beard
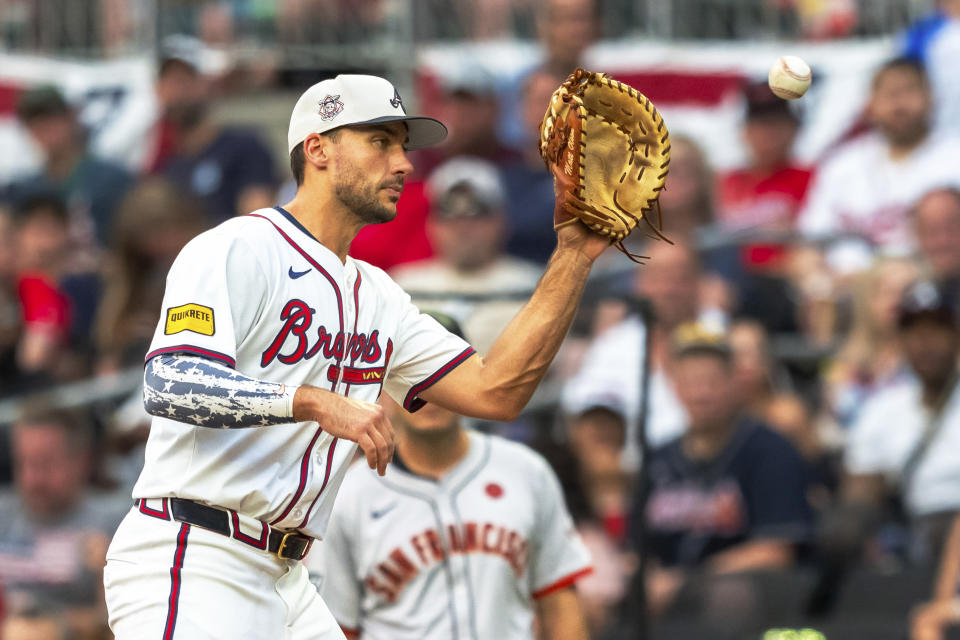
363,199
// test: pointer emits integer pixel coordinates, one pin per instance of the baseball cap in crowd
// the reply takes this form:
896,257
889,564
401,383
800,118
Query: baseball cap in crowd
465,187
356,100
695,338
469,80
762,103
926,299
41,101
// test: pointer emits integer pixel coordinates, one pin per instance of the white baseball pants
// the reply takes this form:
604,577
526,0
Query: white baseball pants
167,580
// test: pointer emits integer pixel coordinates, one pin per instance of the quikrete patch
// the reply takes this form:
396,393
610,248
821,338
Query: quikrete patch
190,317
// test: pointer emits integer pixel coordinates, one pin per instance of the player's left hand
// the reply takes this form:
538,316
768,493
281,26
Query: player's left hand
577,237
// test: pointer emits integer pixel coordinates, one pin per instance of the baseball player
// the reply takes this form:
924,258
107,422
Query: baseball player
271,350
467,537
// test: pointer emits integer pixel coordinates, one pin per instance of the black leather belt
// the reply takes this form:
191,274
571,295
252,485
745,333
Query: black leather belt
289,545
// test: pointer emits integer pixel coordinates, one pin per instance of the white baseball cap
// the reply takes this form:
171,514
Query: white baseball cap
352,100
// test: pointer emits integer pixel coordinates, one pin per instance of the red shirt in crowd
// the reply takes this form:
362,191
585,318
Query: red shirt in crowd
768,200
762,201
44,305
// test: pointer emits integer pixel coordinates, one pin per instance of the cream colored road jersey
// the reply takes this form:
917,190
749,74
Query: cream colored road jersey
463,558
261,294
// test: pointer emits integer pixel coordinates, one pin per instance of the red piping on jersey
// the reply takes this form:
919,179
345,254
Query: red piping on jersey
412,403
242,537
163,514
173,601
304,465
386,365
188,348
336,289
356,314
326,477
316,265
562,583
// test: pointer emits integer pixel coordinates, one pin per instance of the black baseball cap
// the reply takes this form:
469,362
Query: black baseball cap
41,101
927,299
763,104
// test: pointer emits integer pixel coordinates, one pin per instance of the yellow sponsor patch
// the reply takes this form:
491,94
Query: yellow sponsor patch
190,317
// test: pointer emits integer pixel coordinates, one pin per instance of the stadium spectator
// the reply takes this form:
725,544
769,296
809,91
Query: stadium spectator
178,82
565,29
53,530
153,223
935,42
91,186
596,486
868,186
871,358
757,375
911,432
467,229
729,496
671,281
937,224
689,196
10,318
469,107
229,169
529,185
767,193
40,244
787,414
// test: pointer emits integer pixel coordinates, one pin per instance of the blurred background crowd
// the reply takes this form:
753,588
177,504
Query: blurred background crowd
791,354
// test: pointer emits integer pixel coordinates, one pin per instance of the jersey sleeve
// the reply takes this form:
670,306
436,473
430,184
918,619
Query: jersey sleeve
424,352
215,289
558,556
340,588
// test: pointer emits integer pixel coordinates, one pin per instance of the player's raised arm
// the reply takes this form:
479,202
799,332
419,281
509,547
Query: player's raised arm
607,179
499,385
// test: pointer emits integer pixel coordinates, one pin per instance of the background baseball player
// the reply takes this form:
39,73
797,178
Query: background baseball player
466,537
262,376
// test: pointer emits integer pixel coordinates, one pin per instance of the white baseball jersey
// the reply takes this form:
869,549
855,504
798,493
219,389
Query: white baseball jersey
862,190
407,557
260,293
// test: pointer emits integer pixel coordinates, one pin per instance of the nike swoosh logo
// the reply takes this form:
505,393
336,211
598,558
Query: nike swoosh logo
297,274
376,515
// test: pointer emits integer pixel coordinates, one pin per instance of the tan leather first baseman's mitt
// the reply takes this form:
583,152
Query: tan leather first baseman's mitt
608,150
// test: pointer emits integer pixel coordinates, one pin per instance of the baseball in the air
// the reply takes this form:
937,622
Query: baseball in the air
789,77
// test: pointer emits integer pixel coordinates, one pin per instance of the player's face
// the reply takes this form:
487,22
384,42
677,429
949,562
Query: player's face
369,168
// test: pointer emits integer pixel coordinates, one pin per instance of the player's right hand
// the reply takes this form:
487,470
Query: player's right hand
362,422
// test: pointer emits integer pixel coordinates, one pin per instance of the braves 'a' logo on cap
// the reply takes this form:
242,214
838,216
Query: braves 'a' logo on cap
396,101
330,107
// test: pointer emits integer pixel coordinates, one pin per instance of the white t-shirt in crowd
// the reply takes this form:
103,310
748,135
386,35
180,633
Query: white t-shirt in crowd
861,189
888,430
